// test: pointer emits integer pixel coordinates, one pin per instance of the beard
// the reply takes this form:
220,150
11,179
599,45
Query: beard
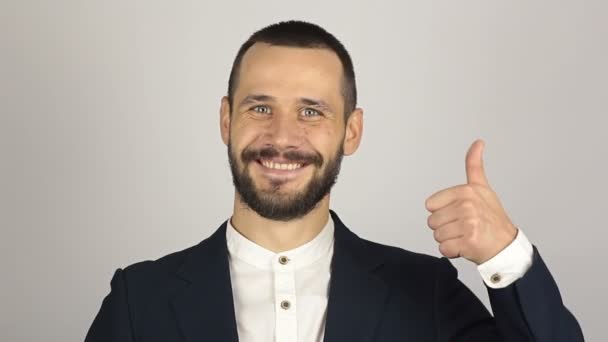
274,204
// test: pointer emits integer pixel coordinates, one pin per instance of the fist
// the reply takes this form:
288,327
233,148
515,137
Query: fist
468,220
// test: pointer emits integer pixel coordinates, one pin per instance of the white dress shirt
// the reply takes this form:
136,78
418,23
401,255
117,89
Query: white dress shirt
282,297
508,265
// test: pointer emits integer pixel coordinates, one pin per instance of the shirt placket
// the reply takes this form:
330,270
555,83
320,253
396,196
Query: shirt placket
286,328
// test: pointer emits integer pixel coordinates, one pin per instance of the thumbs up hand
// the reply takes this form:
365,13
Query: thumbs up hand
468,220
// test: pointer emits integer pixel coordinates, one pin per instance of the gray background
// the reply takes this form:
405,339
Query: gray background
111,152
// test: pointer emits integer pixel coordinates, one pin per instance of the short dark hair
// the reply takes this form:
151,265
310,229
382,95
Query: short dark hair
296,33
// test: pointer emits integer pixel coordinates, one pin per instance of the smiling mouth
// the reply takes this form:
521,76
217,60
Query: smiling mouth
281,165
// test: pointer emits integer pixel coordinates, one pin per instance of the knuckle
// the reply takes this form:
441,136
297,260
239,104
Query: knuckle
468,190
473,238
443,249
437,235
471,223
427,204
467,204
447,251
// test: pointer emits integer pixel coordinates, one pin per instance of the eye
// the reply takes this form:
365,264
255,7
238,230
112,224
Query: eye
309,112
261,109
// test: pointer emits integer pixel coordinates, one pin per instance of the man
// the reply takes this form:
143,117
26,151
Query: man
285,268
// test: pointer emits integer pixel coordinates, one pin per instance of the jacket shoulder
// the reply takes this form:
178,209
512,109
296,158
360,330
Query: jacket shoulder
405,269
171,263
394,255
162,265
156,277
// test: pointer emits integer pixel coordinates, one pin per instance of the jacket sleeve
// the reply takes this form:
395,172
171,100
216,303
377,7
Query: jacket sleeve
113,321
534,300
530,309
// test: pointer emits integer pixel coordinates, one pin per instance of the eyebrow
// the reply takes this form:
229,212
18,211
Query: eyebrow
316,103
255,98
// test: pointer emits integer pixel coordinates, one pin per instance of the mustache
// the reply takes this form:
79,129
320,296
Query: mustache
249,155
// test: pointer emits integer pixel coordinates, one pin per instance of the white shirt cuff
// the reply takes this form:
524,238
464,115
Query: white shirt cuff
508,265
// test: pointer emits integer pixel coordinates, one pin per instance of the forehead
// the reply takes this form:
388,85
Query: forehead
290,72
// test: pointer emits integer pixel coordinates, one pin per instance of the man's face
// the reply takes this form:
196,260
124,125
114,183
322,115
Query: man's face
285,131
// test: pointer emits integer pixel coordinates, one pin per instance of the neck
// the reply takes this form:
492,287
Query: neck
279,236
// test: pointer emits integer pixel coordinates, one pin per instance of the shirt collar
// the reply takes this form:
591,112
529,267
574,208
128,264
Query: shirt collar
250,252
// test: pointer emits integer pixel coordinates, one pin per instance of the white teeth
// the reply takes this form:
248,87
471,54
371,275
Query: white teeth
279,166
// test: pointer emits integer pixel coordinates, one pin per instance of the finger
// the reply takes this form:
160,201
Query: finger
446,214
474,164
450,248
448,232
448,196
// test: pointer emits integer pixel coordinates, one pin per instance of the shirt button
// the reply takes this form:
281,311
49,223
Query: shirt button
495,278
285,304
283,260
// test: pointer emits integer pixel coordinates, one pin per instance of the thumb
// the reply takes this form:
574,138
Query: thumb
474,164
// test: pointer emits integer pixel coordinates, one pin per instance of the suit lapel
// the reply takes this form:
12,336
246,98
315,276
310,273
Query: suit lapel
356,297
205,308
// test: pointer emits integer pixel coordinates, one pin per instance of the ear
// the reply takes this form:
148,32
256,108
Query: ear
225,120
354,130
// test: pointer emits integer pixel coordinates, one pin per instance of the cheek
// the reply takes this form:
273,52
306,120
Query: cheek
241,137
325,141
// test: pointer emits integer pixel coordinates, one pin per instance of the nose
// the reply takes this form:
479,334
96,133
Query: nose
284,131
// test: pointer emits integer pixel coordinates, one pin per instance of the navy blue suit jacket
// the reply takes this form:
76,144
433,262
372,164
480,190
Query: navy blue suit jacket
376,293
